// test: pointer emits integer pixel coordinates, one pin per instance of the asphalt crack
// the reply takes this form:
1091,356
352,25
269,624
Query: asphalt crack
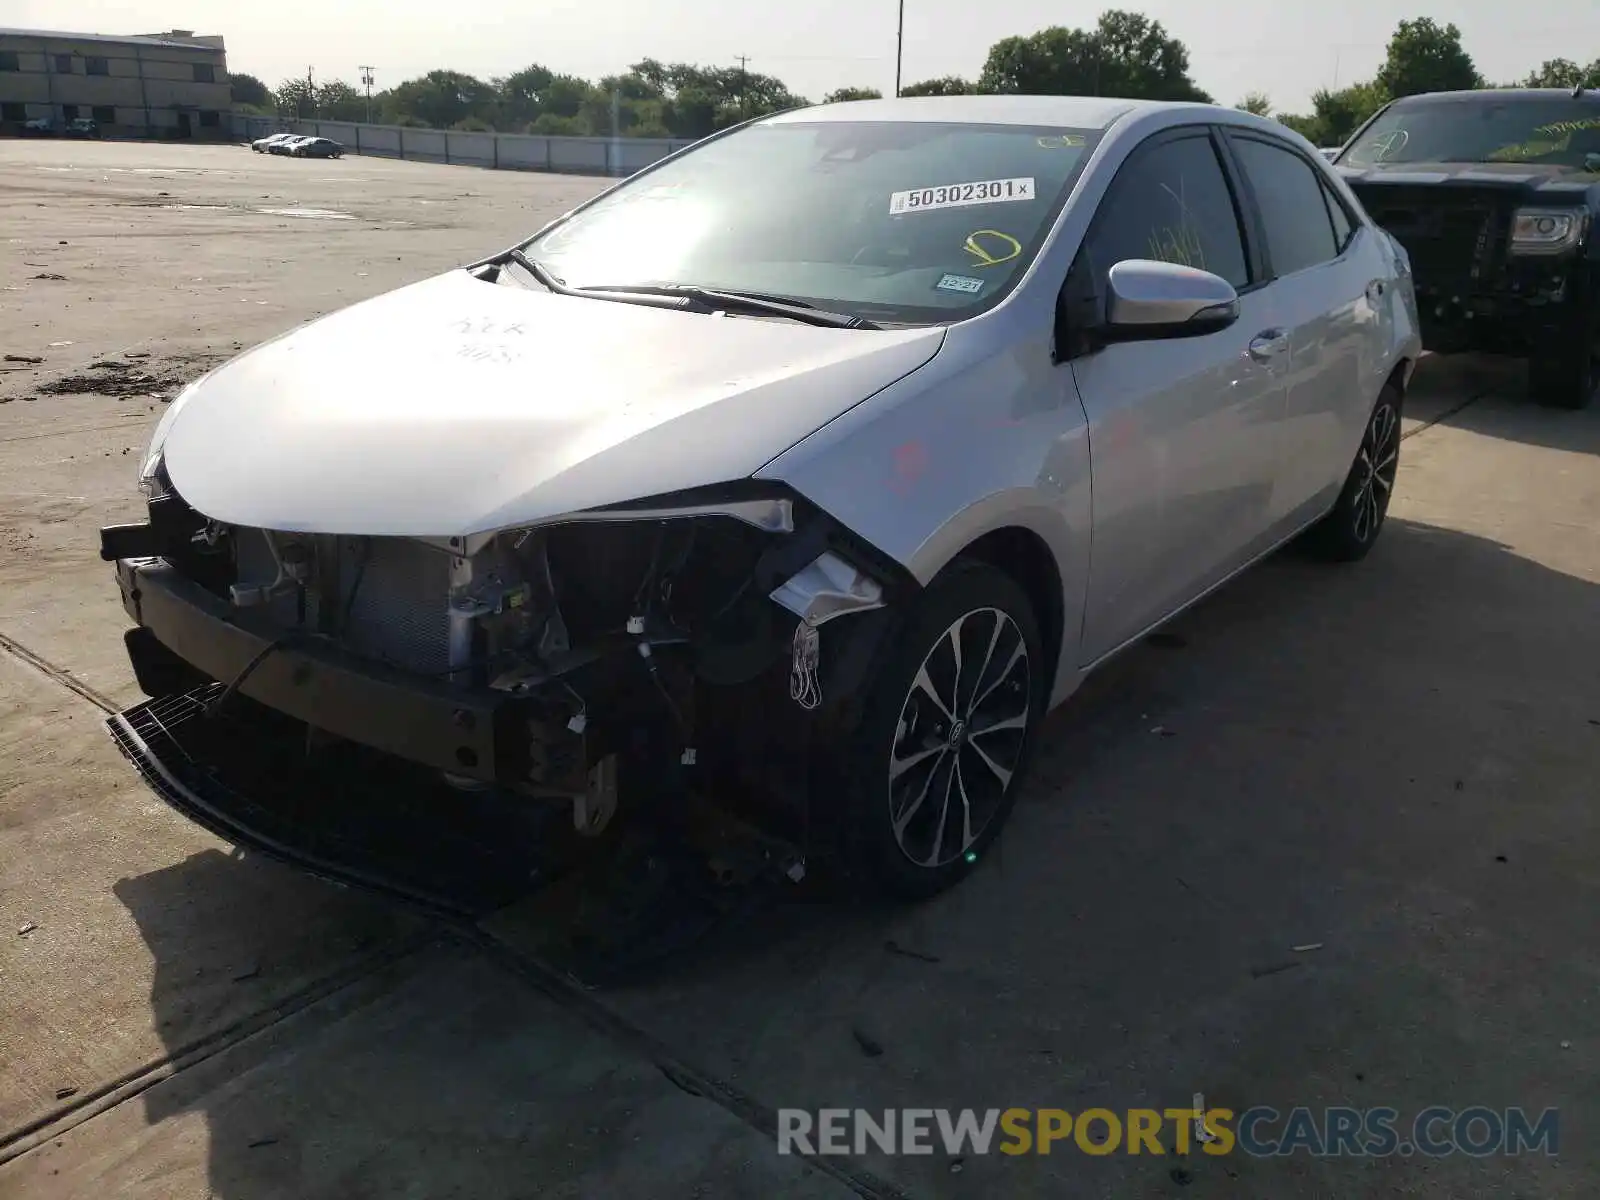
57,674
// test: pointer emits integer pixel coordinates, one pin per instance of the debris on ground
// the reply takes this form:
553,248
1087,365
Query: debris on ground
51,275
1163,731
905,952
26,928
1181,1176
1306,946
870,1046
66,1093
109,377
118,383
24,358
1274,969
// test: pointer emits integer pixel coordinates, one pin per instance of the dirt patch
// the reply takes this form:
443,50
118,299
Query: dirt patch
124,379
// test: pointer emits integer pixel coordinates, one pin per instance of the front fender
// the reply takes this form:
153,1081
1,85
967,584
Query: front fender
975,441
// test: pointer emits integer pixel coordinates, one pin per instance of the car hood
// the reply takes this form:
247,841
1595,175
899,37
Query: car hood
1532,179
456,406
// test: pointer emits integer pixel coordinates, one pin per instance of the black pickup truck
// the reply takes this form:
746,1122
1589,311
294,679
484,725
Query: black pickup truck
1495,195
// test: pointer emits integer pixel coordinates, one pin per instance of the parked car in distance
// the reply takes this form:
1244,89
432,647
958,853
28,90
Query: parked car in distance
316,147
775,469
261,144
1329,152
285,145
1495,194
38,127
83,127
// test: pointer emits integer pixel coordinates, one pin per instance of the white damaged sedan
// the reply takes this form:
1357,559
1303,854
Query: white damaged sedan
817,461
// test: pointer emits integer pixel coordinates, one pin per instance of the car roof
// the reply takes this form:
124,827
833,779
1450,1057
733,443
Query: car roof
1503,95
1075,112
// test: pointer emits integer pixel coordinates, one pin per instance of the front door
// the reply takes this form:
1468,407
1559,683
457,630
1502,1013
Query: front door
185,128
1182,431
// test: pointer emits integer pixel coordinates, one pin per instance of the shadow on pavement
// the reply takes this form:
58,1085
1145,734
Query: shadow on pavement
1503,409
1394,761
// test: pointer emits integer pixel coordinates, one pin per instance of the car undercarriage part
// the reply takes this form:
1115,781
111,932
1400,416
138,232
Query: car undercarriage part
643,635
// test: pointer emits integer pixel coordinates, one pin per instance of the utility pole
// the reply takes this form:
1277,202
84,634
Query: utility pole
744,82
366,78
311,93
899,47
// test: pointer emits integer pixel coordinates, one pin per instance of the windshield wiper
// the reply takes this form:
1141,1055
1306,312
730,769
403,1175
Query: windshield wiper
751,302
560,287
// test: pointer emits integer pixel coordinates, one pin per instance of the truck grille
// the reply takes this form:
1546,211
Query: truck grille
1453,241
399,612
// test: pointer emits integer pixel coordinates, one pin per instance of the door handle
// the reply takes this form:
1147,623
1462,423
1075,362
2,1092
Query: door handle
1268,344
1375,291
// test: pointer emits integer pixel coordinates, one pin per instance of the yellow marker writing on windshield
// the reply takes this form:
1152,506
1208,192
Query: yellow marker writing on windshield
1064,141
990,247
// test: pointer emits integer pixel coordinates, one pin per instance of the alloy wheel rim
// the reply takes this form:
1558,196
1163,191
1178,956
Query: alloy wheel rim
959,738
1376,464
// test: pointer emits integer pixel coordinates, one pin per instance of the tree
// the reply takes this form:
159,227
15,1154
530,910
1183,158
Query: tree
1564,73
691,101
1425,57
440,98
1336,115
1257,103
852,93
338,101
297,99
1126,55
945,85
247,89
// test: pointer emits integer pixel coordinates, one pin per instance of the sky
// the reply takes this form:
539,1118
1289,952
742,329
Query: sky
1285,48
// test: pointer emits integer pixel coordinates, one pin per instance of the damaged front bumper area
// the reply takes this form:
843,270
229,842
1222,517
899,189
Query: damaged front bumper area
686,633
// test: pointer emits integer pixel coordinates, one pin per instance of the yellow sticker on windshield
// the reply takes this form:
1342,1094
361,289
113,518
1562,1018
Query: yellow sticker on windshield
990,247
1065,141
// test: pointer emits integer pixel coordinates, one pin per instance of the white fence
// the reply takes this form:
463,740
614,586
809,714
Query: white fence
500,151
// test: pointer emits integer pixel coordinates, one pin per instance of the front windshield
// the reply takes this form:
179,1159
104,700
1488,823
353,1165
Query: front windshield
1564,131
892,221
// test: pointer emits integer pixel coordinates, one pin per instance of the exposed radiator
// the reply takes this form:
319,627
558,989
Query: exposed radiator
399,612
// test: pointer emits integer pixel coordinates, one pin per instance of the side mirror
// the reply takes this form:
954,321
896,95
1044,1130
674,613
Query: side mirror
1148,300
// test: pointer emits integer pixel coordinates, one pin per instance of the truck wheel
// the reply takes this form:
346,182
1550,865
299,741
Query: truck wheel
1567,378
932,769
1353,525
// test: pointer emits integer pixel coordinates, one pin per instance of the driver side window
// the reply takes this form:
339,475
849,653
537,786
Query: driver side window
1170,202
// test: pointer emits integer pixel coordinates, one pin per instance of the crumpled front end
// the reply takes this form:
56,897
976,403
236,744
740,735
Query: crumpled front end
696,633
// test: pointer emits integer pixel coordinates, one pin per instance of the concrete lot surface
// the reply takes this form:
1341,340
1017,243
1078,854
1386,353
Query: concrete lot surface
1394,762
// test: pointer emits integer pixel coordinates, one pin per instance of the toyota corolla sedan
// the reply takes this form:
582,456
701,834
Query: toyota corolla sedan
817,461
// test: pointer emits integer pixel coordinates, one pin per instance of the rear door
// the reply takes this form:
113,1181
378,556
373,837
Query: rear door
1183,432
1327,284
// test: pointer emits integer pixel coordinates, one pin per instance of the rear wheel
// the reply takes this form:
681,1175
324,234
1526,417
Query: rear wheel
1353,525
933,768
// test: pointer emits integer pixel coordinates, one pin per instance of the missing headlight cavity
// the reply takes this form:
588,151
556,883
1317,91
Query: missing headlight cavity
634,653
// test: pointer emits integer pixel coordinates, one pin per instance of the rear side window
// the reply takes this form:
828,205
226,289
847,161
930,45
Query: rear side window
1294,208
1344,228
1170,202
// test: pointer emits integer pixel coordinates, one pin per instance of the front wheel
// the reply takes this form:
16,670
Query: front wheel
1353,524
933,768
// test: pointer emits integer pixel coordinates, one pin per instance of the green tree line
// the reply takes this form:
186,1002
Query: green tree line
1123,54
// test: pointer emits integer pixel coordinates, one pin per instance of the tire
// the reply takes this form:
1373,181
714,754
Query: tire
904,746
1569,379
1352,526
